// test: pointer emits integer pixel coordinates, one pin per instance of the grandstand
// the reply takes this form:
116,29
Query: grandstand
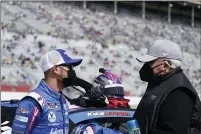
104,34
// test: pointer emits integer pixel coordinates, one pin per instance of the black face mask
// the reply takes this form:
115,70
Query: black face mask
146,73
70,80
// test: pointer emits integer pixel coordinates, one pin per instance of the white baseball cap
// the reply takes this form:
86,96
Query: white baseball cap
162,49
57,57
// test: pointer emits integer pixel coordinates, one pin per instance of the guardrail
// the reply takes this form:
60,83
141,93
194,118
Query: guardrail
18,88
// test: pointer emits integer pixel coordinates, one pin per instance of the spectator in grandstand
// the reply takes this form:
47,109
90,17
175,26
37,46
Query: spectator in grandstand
44,109
170,103
41,45
35,37
111,87
3,78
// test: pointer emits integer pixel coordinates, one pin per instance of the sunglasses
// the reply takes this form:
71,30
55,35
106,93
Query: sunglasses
70,67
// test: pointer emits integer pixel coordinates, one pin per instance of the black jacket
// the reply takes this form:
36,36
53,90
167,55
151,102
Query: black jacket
168,105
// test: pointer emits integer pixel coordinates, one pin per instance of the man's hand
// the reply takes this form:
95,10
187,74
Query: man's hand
161,66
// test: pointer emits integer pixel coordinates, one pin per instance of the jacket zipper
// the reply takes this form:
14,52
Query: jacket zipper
146,125
61,103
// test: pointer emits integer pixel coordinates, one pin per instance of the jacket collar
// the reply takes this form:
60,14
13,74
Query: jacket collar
173,72
49,90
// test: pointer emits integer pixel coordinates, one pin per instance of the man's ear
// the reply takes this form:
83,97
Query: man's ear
55,70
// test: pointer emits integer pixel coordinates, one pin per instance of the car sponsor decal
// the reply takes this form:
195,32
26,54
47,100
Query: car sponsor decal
95,113
21,118
52,117
108,113
88,114
117,113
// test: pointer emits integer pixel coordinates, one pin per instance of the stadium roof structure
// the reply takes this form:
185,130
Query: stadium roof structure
198,2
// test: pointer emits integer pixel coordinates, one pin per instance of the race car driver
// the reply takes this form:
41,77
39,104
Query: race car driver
111,87
45,110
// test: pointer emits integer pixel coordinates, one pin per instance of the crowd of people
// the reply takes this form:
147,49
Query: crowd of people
97,35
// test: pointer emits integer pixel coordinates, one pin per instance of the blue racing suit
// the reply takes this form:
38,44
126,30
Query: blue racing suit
42,111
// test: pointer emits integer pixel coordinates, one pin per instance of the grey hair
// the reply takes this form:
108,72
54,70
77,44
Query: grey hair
175,63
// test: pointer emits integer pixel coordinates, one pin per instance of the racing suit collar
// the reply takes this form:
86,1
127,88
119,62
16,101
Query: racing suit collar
49,90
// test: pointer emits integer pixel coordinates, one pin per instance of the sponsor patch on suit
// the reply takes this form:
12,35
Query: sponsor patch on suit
19,125
51,105
52,117
21,118
23,111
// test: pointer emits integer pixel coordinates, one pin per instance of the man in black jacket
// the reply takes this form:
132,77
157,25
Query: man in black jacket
170,104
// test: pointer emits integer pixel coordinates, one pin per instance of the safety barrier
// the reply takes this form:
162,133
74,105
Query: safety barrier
18,88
